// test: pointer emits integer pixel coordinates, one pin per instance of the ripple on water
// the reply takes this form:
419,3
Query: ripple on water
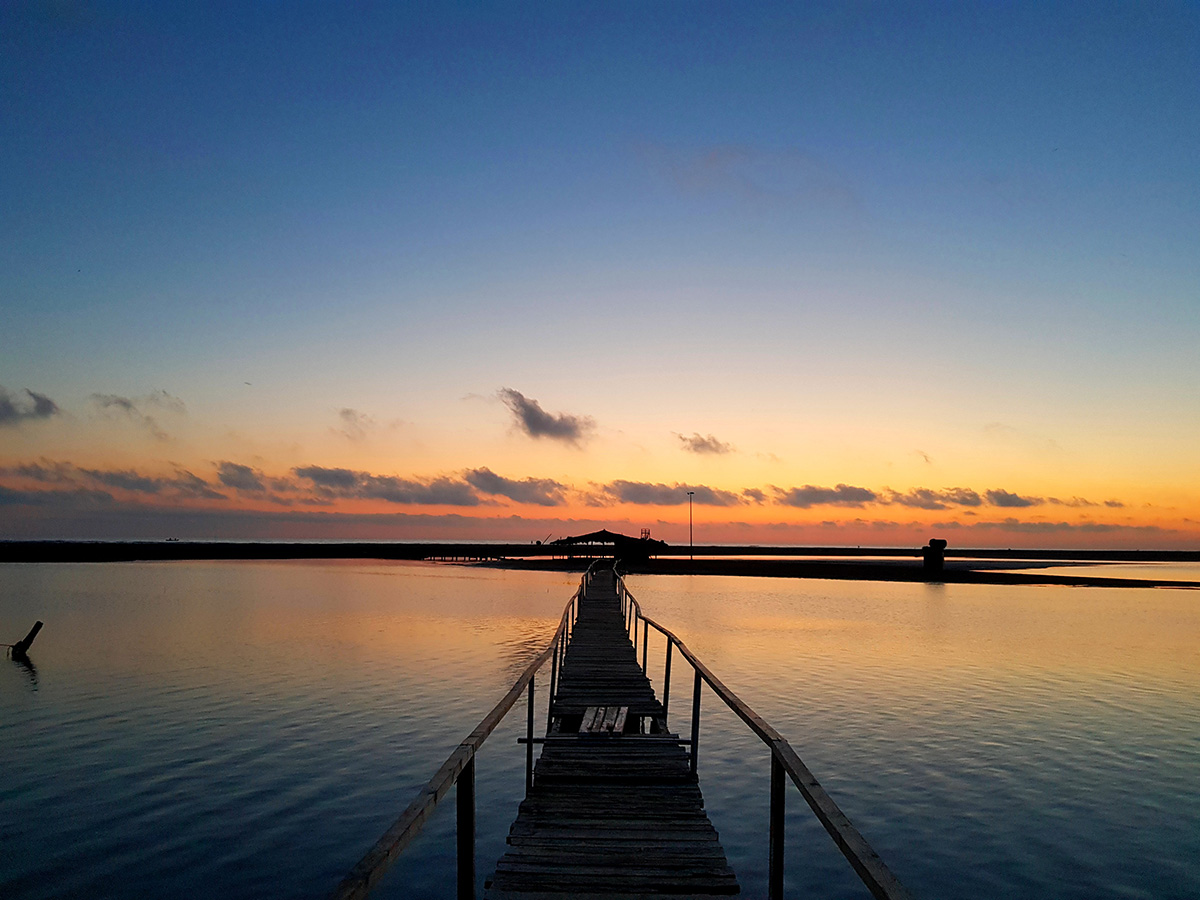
250,729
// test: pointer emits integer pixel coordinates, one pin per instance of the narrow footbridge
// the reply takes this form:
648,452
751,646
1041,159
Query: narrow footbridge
613,807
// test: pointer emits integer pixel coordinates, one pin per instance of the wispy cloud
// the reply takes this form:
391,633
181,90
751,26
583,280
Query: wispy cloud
809,495
14,411
134,408
537,423
537,491
703,445
354,425
645,493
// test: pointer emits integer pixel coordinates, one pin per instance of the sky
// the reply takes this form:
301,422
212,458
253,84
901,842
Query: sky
851,273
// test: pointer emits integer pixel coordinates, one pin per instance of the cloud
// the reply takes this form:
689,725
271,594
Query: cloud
537,423
704,445
346,483
754,495
194,486
126,480
809,495
72,499
1004,498
1016,525
1114,504
134,409
925,498
239,477
644,493
538,491
1074,501
46,471
354,424
14,410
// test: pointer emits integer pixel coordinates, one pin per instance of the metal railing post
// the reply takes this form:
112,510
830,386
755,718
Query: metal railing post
695,720
529,743
465,800
645,643
667,681
775,841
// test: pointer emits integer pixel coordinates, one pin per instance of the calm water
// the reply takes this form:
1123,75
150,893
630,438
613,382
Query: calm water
249,729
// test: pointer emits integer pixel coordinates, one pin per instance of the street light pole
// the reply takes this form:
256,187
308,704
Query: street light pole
690,548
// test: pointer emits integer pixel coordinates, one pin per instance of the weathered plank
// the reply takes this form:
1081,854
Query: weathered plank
610,814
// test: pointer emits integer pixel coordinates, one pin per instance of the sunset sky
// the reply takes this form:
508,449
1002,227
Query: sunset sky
855,274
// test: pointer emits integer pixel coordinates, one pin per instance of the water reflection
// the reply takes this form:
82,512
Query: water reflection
24,663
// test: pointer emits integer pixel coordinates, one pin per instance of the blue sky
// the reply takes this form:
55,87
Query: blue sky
881,221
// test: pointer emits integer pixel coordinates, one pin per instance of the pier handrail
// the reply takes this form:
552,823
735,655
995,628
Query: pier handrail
459,768
870,868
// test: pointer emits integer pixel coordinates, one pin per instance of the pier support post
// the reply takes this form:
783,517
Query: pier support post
775,841
465,800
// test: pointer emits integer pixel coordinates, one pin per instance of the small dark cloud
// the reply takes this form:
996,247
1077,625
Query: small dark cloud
15,410
754,495
538,491
331,479
1114,504
810,495
1004,498
645,493
346,483
924,456
354,425
537,423
925,498
1074,501
239,477
701,444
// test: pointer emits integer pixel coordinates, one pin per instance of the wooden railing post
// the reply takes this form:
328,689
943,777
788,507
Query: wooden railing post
529,743
695,720
775,840
667,681
645,643
553,683
465,800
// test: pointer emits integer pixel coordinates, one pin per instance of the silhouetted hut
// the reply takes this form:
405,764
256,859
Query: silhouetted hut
609,543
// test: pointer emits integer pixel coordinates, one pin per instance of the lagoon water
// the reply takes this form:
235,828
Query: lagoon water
248,729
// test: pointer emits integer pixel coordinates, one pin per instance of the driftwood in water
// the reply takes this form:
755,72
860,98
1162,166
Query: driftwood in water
20,648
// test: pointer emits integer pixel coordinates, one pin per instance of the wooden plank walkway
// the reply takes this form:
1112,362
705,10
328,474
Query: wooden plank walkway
613,813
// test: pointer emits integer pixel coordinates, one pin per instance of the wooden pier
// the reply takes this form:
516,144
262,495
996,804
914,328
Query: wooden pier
614,809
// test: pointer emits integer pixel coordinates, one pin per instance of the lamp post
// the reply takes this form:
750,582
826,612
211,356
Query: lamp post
690,549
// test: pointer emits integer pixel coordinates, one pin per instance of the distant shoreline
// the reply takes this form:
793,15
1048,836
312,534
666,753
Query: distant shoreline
860,563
